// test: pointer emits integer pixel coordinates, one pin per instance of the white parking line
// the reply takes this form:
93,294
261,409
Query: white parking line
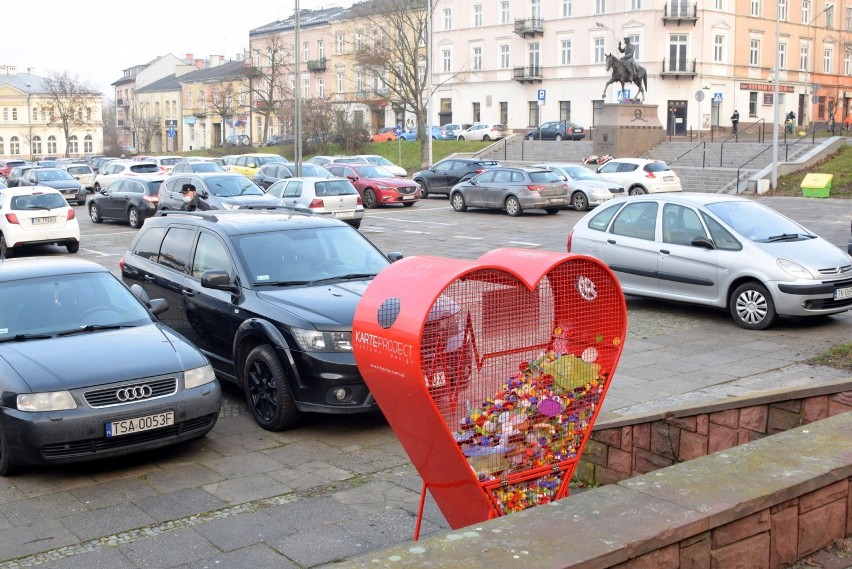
468,237
416,232
99,253
415,221
525,243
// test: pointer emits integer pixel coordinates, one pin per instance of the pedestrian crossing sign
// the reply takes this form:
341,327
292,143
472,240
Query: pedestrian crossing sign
717,97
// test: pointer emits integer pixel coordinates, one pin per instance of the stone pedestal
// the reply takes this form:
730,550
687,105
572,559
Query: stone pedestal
627,130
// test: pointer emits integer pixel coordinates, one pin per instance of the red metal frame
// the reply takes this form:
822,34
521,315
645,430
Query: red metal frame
491,372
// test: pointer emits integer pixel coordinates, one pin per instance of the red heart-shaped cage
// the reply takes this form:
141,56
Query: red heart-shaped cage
491,372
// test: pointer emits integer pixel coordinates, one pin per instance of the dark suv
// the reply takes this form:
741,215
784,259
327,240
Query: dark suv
269,297
216,190
557,130
440,178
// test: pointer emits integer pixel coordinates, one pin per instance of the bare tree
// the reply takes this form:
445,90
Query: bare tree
108,112
225,102
267,85
318,122
148,125
70,102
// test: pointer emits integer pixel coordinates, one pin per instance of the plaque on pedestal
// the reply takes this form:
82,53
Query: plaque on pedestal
627,130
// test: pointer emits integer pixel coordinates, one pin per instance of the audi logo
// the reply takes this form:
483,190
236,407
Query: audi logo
134,393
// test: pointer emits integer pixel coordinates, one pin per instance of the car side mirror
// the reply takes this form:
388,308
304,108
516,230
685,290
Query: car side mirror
204,194
158,305
703,242
218,279
473,182
252,165
353,178
394,256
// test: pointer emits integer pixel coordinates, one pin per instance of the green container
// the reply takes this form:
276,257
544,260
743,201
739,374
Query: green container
816,185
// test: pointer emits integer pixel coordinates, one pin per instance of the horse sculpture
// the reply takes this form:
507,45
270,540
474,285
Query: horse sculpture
621,75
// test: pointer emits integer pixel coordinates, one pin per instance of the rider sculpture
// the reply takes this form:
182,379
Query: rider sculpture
627,59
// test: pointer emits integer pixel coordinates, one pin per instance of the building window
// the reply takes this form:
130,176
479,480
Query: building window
359,40
504,116
752,104
477,58
35,114
718,49
15,113
340,81
321,87
504,56
848,25
5,114
477,16
446,61
88,144
448,19
15,146
533,114
421,71
754,53
720,4
755,8
504,12
320,49
782,55
677,52
847,64
476,114
566,8
635,4
782,10
341,43
535,6
306,51
804,58
827,60
36,145
535,57
73,146
306,88
599,50
829,16
806,11
51,144
565,110
359,84
637,53
565,52
600,7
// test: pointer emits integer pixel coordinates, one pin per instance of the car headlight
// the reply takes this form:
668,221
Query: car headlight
198,376
794,269
230,206
49,401
317,341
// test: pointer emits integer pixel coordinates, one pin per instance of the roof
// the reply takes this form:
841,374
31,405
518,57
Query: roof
243,222
28,83
307,18
229,70
170,83
34,267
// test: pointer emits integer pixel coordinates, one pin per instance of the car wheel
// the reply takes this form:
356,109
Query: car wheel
461,138
636,191
370,201
530,137
424,191
752,307
513,206
356,224
81,202
6,466
5,250
558,137
551,210
72,246
97,187
457,201
408,204
267,391
580,201
486,138
95,213
133,218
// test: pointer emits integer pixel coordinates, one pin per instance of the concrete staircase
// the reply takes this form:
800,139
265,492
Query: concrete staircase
702,167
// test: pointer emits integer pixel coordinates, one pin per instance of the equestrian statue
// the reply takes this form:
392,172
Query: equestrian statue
626,70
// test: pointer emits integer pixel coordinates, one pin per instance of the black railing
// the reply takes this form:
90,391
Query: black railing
736,136
677,10
678,66
703,146
529,26
317,64
737,186
528,73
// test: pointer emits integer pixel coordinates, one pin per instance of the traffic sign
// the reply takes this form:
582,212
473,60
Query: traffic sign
699,96
542,94
172,133
717,97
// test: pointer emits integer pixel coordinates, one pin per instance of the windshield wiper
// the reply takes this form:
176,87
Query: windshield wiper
25,337
788,236
281,283
350,276
93,328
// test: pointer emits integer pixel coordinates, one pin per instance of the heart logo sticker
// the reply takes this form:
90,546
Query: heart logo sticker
491,372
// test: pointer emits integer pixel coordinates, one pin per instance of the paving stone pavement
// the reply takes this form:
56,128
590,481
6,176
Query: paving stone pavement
337,487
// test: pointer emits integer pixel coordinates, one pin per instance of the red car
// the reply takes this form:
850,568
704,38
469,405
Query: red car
377,185
7,165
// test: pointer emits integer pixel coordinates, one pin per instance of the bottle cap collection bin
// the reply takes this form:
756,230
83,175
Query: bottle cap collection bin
491,372
816,185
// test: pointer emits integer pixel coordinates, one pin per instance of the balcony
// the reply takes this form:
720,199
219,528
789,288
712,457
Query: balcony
199,112
678,68
122,102
528,74
677,11
529,27
317,64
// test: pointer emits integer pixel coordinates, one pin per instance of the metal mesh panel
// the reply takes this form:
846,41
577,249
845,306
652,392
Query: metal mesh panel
517,375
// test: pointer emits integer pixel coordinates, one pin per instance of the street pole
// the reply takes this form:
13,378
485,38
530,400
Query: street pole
776,107
297,114
429,54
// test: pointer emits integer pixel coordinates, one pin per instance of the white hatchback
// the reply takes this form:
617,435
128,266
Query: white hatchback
83,173
36,215
329,197
641,176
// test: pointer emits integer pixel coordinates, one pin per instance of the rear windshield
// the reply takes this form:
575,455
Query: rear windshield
487,163
145,168
231,186
206,167
169,161
335,188
153,188
38,201
546,176
656,167
79,170
260,160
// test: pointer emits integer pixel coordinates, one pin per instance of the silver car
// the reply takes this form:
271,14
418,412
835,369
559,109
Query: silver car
331,197
717,250
512,189
586,188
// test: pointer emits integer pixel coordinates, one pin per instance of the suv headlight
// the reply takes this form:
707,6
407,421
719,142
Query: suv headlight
198,376
794,269
317,341
49,401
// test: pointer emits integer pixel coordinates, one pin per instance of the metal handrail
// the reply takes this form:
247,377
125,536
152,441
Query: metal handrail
746,162
703,146
736,135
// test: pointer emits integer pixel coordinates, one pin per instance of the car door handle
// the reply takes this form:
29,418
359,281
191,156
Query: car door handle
149,278
665,252
187,292
611,241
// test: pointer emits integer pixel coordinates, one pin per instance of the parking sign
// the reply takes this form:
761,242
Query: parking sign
542,94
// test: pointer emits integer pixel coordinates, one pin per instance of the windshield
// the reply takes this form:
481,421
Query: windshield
145,169
206,167
755,221
50,305
230,186
580,173
302,256
79,170
261,160
545,176
313,171
169,161
373,172
380,160
53,175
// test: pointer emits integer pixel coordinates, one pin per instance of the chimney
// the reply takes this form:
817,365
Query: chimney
189,57
8,70
199,63
216,60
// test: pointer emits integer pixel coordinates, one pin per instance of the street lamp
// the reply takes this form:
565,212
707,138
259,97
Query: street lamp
775,106
297,99
604,27
812,48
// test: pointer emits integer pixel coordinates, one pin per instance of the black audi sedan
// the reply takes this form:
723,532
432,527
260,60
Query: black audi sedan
61,399
269,297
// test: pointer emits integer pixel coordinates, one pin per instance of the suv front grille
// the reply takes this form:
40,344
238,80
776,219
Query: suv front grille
407,190
109,396
841,270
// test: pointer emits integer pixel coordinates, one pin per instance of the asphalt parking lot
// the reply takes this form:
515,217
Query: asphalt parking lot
338,487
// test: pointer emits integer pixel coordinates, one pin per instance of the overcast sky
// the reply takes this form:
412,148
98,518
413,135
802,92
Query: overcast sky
97,39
